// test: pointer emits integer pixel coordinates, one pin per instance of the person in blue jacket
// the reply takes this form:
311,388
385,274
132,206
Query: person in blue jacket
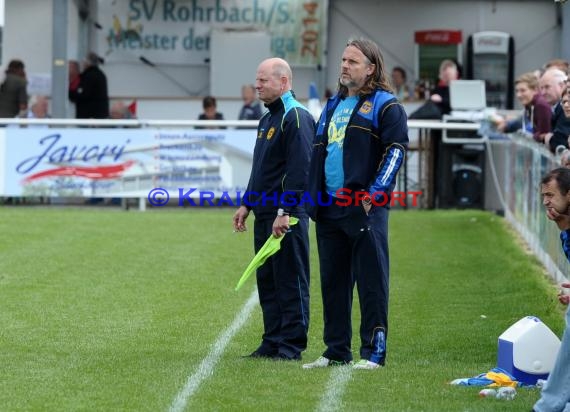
361,141
276,185
555,190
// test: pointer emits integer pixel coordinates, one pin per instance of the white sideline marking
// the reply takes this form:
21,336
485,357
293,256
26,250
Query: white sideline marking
331,399
206,367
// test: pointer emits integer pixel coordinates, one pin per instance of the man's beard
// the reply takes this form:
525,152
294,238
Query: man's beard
348,82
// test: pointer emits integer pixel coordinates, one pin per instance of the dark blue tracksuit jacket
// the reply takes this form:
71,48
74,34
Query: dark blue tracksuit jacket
374,147
281,166
281,159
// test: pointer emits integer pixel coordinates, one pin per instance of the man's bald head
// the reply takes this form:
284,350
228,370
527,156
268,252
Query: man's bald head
280,68
273,79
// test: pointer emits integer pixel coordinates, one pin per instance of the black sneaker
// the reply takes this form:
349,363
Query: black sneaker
284,357
260,354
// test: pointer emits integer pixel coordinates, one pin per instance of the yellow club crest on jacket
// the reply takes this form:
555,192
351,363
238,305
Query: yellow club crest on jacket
270,133
366,107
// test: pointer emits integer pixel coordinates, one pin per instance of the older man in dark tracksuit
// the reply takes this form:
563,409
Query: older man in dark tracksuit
360,145
277,182
552,84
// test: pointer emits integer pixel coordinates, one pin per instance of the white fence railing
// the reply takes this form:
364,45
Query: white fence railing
524,163
226,153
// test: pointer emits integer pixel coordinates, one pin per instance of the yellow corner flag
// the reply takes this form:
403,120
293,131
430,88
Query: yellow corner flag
271,246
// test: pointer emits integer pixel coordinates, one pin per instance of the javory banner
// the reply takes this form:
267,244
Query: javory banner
178,31
122,162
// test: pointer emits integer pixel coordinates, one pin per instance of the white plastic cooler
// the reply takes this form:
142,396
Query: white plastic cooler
527,350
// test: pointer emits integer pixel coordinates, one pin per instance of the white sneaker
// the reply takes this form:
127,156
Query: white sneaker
365,364
323,362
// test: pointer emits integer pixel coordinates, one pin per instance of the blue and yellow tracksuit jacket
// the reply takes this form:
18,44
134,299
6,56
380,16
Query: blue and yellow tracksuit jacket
374,146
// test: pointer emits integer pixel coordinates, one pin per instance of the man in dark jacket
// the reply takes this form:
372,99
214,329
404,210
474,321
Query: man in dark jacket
361,141
251,109
276,185
91,97
552,83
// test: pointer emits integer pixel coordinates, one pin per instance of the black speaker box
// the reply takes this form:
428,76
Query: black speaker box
461,176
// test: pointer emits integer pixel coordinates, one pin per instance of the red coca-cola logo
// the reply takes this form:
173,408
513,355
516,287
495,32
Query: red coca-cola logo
489,41
438,37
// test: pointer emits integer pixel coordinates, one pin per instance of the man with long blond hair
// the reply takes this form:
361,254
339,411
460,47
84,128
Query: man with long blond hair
361,142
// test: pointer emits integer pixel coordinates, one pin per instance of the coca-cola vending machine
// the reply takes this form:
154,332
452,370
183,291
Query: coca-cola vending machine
432,47
490,57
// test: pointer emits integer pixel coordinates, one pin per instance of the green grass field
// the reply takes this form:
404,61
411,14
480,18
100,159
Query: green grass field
105,310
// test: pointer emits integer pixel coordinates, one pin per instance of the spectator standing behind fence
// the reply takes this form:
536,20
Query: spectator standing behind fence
251,109
276,185
209,105
73,78
13,95
448,72
360,145
552,83
399,81
38,108
555,394
73,75
537,114
91,96
120,111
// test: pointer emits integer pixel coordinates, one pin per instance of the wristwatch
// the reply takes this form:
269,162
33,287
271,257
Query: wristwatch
282,212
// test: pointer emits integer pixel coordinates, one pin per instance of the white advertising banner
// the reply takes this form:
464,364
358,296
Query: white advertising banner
178,31
123,162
